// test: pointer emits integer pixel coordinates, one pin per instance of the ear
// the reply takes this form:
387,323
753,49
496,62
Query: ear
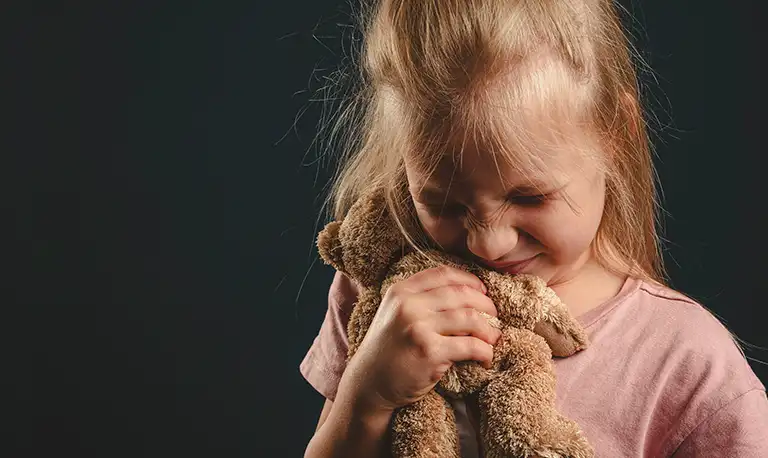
329,246
370,239
563,343
562,332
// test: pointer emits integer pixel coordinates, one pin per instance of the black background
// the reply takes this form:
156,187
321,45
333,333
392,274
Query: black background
162,200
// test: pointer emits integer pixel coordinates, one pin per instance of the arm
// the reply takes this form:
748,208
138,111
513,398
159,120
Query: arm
420,329
737,429
324,413
338,432
344,431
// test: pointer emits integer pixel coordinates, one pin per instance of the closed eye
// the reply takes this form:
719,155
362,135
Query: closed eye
446,210
528,199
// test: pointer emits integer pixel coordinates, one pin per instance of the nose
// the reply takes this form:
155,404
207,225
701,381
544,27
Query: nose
492,243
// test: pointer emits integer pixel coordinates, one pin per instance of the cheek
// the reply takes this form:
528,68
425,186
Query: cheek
565,240
567,235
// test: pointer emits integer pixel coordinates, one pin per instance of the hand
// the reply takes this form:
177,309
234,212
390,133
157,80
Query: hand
423,325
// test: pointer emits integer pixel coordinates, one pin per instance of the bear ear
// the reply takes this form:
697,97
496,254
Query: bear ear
329,246
365,243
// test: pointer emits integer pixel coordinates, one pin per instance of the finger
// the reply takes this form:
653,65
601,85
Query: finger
442,276
465,321
456,296
466,348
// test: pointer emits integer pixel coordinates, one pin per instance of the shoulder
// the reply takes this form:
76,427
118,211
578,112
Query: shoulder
692,334
702,370
675,339
667,315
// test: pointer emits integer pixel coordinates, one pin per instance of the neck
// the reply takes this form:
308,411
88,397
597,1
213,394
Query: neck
592,286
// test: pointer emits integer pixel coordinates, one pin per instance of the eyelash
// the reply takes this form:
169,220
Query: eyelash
454,209
528,200
446,210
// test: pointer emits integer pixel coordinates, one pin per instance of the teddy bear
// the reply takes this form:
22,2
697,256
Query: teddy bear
516,396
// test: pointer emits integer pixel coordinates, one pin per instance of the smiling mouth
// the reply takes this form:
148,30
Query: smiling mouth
510,264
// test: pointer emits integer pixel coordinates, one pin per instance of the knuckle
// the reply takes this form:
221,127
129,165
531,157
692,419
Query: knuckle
491,306
478,348
443,269
395,291
458,289
485,305
425,349
419,337
473,345
405,313
469,314
430,354
416,334
435,356
436,375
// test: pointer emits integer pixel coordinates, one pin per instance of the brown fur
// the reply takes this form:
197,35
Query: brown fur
516,396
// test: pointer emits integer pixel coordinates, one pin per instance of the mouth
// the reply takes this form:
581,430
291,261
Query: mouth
511,267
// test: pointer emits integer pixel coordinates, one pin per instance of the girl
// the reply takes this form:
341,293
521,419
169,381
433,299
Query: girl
510,133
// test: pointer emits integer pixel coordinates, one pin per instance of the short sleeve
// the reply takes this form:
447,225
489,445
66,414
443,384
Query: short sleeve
325,361
704,386
739,429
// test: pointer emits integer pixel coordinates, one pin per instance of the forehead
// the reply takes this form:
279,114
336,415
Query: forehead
532,125
531,152
474,166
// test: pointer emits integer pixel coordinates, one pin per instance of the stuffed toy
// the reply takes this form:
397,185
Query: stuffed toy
516,397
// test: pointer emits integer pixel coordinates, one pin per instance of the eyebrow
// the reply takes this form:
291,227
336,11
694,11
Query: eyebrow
432,191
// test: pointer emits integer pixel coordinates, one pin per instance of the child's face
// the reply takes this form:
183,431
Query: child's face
468,210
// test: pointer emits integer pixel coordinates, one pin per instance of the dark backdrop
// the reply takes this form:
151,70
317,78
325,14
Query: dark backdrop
162,199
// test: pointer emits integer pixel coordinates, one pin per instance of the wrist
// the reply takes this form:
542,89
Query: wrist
369,421
351,430
359,393
358,427
365,409
368,406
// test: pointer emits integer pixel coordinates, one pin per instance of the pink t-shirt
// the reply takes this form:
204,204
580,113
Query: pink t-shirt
662,377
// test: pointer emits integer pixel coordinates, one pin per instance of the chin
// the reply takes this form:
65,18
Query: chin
564,273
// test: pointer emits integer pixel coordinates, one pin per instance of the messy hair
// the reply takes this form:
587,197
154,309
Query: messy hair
481,69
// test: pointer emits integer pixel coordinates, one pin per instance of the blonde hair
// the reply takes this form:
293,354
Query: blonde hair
428,70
